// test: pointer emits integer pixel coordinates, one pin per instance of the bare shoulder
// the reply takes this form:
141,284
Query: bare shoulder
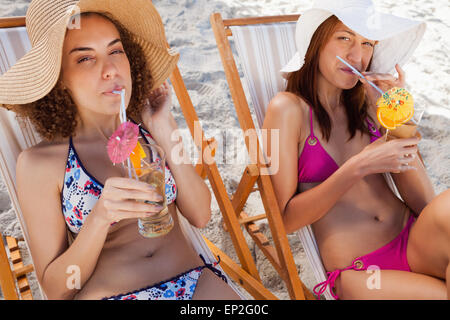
287,108
46,159
43,154
40,173
288,101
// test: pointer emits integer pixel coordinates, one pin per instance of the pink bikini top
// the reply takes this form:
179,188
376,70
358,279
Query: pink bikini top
315,164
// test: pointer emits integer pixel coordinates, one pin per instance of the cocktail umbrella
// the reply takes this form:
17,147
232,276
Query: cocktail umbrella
122,142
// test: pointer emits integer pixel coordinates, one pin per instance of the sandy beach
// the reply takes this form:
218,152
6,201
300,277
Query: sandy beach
188,30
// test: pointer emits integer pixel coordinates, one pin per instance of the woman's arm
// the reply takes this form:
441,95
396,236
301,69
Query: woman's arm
307,207
415,186
40,203
193,198
193,195
285,114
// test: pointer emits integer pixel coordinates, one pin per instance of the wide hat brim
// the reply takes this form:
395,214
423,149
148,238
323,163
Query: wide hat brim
37,72
397,37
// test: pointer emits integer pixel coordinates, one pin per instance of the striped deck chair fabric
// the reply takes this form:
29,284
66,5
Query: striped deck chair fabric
17,134
262,51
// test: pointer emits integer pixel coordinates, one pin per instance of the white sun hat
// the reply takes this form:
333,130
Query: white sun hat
397,37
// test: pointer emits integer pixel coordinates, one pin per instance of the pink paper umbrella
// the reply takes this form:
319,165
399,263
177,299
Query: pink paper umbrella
122,142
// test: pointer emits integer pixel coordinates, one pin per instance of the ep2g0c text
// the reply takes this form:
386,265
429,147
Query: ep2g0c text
246,309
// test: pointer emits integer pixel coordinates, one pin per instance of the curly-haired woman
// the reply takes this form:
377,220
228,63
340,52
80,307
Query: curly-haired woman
66,88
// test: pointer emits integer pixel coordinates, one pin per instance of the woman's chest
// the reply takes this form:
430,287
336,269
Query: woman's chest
81,190
320,158
341,146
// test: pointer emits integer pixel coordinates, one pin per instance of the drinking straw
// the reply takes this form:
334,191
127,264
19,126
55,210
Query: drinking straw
123,118
359,74
122,114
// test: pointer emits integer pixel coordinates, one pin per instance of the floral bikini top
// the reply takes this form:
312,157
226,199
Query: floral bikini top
81,190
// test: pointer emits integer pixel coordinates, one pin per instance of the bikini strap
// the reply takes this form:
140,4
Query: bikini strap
211,267
369,123
373,131
331,279
311,129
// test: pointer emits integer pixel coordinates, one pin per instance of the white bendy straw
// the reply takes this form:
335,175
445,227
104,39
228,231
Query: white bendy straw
123,118
359,74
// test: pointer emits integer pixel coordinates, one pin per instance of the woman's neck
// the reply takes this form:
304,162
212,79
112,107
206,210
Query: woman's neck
329,95
98,126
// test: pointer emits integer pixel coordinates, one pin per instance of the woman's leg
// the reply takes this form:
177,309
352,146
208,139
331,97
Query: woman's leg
211,287
448,277
389,285
428,253
429,239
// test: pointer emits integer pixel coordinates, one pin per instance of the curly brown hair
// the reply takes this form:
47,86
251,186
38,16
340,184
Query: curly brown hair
55,115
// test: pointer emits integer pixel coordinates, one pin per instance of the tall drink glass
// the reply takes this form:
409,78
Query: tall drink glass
152,171
409,129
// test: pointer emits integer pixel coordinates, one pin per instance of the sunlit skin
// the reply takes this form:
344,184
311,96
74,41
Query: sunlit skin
354,212
112,259
83,56
332,77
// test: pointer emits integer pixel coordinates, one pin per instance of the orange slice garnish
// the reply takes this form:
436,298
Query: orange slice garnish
136,156
387,123
395,107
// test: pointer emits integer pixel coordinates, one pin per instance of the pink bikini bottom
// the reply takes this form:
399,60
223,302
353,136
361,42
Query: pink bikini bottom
389,257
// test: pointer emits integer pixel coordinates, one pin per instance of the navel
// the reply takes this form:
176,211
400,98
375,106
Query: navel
376,218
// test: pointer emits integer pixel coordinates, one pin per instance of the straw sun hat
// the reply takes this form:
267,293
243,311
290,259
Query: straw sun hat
36,73
397,37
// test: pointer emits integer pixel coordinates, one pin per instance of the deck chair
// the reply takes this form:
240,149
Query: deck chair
263,46
17,134
260,60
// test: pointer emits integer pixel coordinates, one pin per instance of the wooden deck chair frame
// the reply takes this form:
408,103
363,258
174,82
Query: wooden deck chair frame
245,275
280,255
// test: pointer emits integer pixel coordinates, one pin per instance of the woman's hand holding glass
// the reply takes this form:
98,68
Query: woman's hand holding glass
394,156
123,198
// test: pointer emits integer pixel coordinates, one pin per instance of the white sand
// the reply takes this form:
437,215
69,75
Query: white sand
189,31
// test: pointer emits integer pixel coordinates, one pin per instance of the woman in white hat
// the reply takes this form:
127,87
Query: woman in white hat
332,161
81,52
